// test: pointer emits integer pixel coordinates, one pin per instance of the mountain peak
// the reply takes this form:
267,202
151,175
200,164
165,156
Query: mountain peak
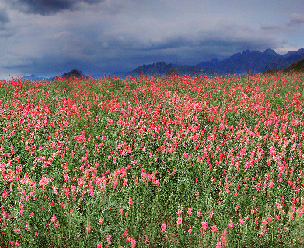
246,52
270,52
301,50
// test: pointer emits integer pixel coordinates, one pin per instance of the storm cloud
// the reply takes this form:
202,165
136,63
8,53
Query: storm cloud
48,7
296,20
3,19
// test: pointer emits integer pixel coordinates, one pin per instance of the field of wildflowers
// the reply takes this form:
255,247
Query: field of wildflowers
152,162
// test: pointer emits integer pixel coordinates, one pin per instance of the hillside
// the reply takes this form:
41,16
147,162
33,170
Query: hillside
295,67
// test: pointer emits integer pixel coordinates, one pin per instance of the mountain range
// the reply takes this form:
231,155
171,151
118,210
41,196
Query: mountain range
238,63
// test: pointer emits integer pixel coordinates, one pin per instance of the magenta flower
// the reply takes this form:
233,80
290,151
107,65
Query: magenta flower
179,221
213,228
130,201
100,220
204,225
164,226
54,218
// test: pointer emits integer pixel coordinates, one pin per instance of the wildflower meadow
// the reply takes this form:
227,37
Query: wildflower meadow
152,162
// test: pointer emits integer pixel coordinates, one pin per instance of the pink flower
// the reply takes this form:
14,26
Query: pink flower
136,181
218,245
89,228
18,169
66,177
241,221
125,233
120,211
130,201
55,189
54,218
44,181
189,211
211,213
299,212
4,194
198,213
100,220
190,230
143,175
230,224
179,221
108,239
133,243
164,226
223,236
4,214
204,225
213,228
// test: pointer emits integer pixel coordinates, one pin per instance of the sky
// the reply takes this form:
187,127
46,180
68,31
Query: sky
50,37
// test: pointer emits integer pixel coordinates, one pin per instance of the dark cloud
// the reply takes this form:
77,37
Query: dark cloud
166,44
295,20
126,53
271,27
3,16
48,7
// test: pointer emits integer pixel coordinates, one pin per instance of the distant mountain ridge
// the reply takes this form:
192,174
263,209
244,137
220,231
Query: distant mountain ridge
32,77
255,61
239,63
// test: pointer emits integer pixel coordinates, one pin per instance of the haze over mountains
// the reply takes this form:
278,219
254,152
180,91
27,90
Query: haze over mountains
239,63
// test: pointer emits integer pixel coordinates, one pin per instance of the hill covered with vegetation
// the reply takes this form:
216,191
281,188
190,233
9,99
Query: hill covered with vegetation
295,67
